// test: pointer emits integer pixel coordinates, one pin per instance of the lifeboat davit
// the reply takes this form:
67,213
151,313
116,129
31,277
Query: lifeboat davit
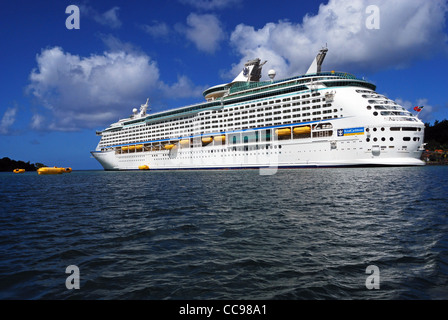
19,170
302,130
283,132
53,170
144,167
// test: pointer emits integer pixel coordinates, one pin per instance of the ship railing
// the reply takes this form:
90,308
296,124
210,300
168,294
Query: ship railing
328,75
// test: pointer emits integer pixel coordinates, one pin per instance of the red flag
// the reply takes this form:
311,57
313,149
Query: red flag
418,109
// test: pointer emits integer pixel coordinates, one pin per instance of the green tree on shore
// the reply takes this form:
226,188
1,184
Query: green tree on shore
7,164
436,136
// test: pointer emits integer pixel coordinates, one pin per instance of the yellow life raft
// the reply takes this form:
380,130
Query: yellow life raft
19,170
53,170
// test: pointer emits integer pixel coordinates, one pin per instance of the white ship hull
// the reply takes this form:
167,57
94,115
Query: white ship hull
311,152
110,162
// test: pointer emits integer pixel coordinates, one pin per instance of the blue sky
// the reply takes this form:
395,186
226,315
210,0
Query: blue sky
59,85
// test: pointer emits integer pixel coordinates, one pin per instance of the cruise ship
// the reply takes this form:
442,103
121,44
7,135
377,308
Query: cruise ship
319,119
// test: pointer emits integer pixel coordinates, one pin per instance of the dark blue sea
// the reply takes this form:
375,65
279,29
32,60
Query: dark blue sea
302,234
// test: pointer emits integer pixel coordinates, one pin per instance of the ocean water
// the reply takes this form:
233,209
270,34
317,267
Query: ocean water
235,234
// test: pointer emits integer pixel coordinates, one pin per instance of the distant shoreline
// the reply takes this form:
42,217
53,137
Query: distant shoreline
437,163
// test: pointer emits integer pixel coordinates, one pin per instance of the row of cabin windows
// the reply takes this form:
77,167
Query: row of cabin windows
118,136
169,128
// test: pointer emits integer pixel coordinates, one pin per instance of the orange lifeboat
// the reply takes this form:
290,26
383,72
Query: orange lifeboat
302,130
207,139
283,132
220,138
184,142
169,146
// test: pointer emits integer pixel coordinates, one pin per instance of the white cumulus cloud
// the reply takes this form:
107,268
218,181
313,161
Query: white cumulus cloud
408,30
85,92
108,18
204,30
8,119
37,122
157,29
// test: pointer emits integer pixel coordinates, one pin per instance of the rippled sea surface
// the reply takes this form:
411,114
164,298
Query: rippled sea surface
296,234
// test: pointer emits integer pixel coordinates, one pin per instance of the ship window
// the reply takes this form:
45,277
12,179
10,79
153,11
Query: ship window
406,138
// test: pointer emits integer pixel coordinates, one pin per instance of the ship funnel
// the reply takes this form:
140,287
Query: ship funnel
251,71
317,62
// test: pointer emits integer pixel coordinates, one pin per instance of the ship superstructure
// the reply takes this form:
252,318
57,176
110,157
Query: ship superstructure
318,119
